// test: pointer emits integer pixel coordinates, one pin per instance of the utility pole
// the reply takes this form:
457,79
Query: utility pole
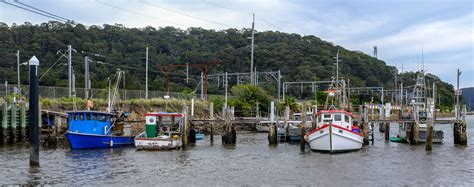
18,69
279,84
337,67
202,85
69,67
457,93
146,75
226,84
86,77
252,50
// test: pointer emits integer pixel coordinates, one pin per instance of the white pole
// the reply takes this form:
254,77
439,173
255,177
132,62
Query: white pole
252,50
86,77
192,107
202,86
69,67
146,76
272,112
226,84
18,68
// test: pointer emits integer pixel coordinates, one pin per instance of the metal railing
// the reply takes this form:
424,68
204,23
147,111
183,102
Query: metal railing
62,92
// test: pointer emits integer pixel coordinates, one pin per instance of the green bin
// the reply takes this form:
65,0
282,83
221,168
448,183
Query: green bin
150,130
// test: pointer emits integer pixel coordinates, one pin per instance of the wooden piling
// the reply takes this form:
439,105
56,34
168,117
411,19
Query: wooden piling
382,127
460,134
272,134
365,132
13,123
184,136
456,134
303,131
4,123
230,136
415,134
23,122
211,117
463,129
429,136
387,131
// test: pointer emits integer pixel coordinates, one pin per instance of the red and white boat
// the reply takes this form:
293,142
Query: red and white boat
335,132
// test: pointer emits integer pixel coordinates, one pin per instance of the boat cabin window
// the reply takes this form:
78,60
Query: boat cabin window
346,119
337,117
94,117
81,116
88,116
327,118
102,118
319,119
76,117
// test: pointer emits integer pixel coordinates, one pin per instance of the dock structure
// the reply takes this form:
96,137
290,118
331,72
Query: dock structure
15,124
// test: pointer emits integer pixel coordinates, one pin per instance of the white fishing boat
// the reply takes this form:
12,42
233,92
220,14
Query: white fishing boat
335,132
163,132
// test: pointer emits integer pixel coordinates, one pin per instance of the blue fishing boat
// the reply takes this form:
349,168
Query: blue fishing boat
94,129
200,136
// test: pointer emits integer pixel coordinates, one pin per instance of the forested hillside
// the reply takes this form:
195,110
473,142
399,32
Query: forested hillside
300,58
468,95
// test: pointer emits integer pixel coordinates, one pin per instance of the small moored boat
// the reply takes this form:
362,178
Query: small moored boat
94,129
163,132
335,132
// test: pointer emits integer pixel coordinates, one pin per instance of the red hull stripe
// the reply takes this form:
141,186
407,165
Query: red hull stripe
337,126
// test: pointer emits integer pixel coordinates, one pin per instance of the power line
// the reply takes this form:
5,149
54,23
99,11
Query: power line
137,13
32,11
17,1
180,13
243,12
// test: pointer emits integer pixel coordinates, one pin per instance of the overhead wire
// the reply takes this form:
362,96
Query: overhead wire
243,12
57,19
17,1
140,14
188,15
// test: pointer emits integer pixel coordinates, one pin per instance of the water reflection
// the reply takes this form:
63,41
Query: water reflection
251,162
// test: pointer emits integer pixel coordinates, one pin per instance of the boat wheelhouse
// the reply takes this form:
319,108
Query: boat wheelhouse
163,131
335,132
95,129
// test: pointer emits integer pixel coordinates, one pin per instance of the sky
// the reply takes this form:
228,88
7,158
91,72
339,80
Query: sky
436,35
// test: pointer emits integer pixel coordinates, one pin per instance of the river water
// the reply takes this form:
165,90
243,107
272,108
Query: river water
251,162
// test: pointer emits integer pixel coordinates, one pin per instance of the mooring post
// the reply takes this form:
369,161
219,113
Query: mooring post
382,125
22,122
34,112
184,137
272,132
4,122
211,117
387,131
313,114
430,121
286,118
415,134
365,125
303,131
230,136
